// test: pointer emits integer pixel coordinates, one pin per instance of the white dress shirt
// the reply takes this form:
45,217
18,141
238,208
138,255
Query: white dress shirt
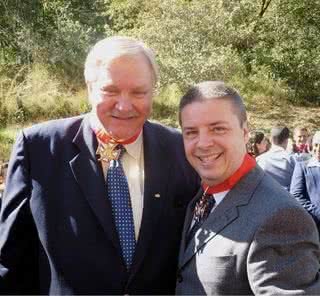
133,166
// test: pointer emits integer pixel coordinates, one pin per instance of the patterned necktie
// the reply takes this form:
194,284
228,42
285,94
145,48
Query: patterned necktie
201,212
119,196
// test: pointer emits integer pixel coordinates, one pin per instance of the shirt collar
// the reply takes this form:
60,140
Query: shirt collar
134,148
276,148
219,196
313,163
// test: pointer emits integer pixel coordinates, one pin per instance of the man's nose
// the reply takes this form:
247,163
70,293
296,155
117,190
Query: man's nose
205,140
124,103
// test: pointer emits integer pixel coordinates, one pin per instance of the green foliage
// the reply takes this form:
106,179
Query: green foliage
189,41
196,40
123,14
7,137
40,95
260,84
165,105
287,42
267,48
55,32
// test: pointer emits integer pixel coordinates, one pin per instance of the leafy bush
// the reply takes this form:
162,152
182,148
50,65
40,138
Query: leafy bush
189,41
39,95
165,105
198,40
267,52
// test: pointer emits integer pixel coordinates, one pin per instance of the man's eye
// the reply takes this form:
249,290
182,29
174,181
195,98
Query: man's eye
218,130
140,93
190,133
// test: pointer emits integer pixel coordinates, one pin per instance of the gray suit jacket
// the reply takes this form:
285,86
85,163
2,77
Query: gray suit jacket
258,240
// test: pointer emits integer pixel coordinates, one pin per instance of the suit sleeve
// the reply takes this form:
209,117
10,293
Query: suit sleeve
284,255
298,189
292,164
17,231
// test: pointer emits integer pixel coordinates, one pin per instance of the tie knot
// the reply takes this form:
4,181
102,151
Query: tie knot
204,207
121,150
207,197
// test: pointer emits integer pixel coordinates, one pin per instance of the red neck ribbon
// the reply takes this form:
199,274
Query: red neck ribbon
302,148
247,165
104,137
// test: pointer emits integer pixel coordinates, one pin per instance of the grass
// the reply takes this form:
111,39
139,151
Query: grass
264,113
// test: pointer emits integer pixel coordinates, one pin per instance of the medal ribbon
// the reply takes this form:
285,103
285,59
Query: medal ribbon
104,137
247,165
108,146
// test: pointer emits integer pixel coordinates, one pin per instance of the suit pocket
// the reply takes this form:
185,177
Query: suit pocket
217,269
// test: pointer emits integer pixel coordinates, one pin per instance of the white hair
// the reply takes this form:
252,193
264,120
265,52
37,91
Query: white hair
113,47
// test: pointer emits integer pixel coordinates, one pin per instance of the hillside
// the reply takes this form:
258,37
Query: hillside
264,117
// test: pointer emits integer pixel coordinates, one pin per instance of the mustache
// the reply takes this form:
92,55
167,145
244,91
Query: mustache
123,115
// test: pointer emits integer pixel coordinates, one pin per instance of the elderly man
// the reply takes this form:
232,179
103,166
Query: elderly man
95,204
243,233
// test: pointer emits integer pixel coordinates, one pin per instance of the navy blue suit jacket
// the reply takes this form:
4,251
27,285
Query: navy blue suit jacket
57,234
305,187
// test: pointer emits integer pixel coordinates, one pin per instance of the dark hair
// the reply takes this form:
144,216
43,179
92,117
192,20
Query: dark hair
209,90
256,137
279,134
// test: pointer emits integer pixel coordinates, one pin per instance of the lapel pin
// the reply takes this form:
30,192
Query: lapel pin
157,195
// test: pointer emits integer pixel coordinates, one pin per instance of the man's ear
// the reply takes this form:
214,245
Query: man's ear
245,131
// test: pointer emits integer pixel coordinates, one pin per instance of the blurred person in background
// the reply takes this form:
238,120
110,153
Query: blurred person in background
301,147
277,162
305,185
300,138
257,144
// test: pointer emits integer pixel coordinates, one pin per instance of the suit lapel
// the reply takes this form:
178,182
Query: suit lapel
210,228
187,223
89,176
224,214
155,188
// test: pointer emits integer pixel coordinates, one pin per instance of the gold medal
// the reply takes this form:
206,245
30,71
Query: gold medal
107,152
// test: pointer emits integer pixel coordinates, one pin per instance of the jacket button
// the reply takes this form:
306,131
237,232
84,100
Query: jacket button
179,278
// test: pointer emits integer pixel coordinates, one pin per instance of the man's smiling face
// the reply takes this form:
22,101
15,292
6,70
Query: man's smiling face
122,95
215,142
